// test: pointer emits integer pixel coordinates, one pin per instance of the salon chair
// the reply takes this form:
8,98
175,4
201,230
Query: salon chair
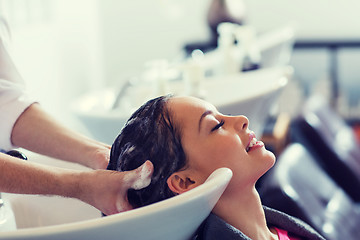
320,129
298,186
176,218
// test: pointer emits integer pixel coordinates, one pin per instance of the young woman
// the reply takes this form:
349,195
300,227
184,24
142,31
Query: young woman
187,139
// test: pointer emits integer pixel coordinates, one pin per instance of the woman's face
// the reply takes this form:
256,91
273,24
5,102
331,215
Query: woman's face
211,140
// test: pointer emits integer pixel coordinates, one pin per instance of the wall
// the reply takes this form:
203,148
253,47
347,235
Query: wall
56,46
137,31
313,19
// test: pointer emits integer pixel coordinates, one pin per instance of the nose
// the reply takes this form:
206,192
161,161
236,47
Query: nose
241,123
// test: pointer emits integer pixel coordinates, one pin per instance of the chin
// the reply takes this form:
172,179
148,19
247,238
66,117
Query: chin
269,159
270,154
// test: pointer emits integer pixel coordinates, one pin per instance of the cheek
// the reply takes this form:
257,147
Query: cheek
206,155
202,163
223,153
230,149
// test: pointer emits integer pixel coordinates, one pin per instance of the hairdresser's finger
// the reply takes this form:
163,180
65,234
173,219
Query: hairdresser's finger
140,177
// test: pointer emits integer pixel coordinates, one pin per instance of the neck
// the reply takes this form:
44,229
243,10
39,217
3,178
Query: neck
245,212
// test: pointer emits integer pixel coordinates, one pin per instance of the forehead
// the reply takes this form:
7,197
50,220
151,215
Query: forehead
188,108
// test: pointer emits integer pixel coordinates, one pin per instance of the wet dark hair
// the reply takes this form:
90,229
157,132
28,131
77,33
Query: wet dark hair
149,134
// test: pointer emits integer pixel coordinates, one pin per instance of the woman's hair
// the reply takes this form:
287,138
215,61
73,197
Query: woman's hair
149,134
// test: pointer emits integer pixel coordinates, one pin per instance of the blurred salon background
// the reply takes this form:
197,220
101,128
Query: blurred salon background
292,66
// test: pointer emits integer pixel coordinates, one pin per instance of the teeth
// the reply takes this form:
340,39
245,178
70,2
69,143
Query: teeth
251,144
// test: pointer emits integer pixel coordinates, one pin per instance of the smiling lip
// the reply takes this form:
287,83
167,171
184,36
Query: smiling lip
259,144
253,143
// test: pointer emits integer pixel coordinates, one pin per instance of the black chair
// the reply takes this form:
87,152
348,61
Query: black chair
298,186
332,141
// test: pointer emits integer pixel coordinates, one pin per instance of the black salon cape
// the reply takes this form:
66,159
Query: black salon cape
214,228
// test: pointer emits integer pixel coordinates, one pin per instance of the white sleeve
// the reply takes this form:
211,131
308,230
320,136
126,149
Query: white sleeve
13,102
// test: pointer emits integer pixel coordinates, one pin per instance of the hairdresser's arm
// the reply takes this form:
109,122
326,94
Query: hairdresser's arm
36,131
105,190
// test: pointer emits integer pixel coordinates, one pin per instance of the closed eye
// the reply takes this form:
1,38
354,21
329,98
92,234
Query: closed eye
218,125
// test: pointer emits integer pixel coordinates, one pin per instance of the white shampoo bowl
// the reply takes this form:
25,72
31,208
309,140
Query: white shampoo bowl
250,93
176,218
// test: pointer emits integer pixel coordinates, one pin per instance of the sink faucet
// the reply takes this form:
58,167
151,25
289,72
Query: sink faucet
122,91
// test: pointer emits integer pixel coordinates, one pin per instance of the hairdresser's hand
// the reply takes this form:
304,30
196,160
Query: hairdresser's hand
97,158
107,190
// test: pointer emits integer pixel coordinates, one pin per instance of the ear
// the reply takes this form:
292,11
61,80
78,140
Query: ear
180,182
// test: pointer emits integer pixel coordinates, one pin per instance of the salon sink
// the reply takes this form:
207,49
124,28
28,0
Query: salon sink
250,93
56,218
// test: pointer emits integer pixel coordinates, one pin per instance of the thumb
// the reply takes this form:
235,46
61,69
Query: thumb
140,177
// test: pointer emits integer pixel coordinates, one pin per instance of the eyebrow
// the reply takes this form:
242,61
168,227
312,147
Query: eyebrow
203,116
